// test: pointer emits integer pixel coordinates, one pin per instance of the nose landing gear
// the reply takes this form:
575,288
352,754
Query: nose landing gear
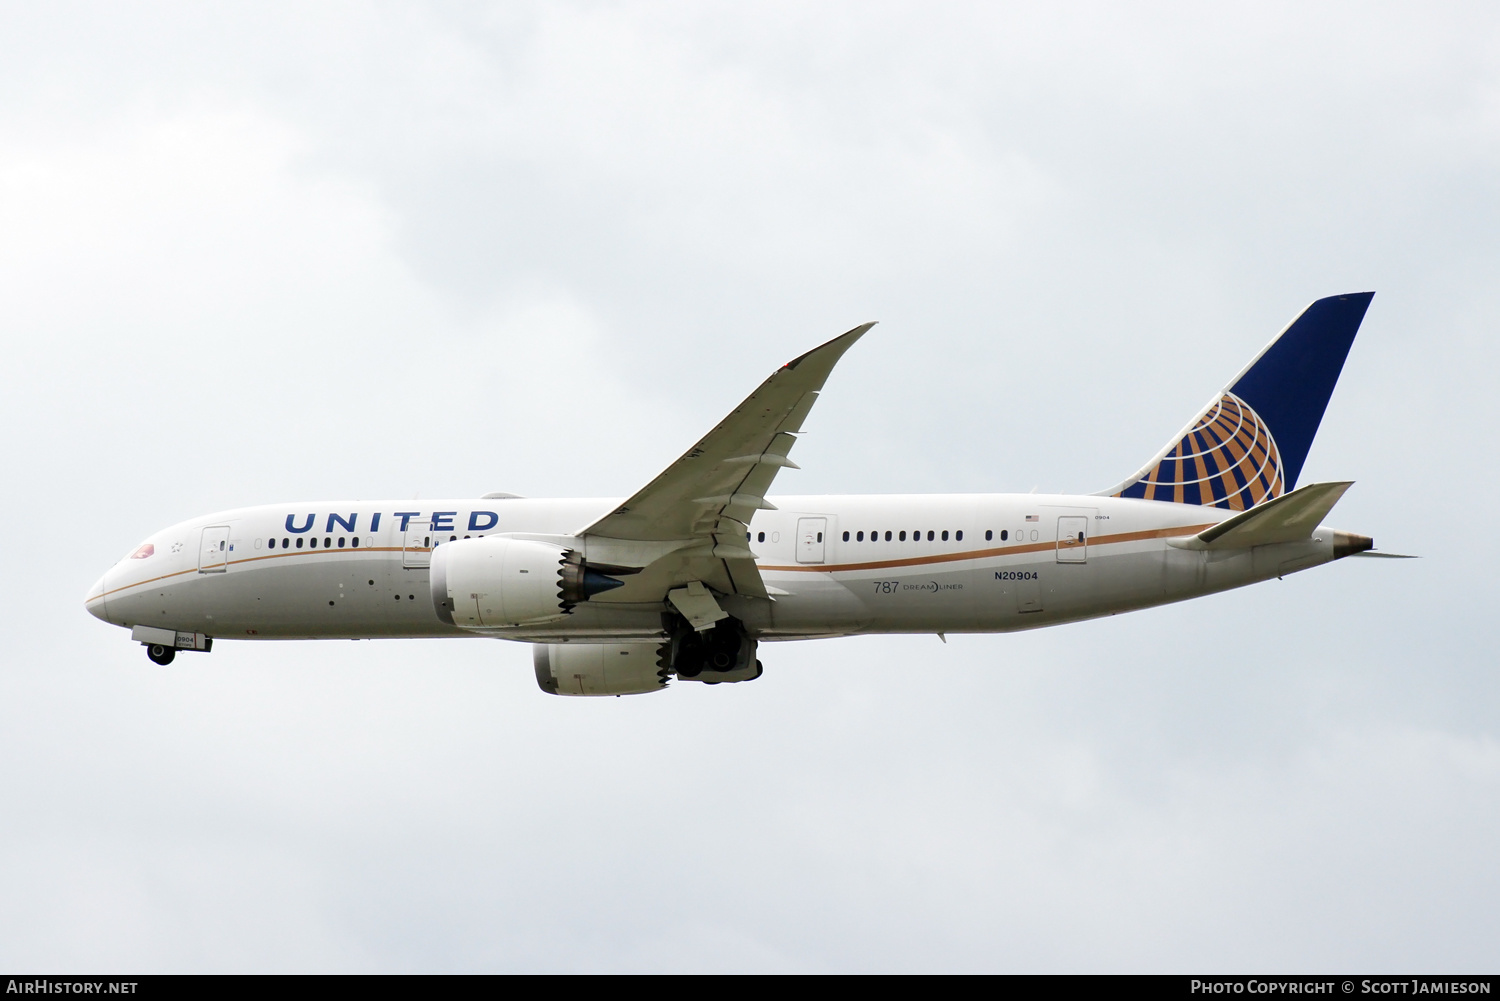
162,644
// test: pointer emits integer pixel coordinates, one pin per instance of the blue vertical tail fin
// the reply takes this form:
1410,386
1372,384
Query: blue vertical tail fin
1249,444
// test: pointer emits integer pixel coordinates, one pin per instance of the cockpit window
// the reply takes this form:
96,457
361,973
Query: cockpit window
146,551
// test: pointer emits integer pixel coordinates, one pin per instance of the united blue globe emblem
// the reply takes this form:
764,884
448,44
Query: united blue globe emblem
1227,459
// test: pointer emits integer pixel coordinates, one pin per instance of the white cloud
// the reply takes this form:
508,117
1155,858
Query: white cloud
272,252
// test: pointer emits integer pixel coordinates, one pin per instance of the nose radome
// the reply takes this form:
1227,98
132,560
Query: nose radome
95,602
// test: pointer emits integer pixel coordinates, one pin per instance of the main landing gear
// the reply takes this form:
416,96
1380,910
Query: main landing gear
723,653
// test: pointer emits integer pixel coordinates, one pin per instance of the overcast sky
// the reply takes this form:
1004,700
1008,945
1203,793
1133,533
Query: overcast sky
260,253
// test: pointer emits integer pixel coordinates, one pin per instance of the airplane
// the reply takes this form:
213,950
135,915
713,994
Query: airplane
685,578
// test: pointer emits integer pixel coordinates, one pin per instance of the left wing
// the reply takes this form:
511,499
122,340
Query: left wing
689,524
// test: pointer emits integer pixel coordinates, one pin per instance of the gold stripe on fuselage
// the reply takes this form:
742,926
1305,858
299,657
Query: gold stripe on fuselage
253,559
981,554
910,561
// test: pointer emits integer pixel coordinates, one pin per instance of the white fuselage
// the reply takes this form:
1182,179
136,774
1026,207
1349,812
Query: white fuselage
834,565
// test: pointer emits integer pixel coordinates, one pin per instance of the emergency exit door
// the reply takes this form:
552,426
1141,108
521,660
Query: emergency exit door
810,535
416,545
213,554
1072,539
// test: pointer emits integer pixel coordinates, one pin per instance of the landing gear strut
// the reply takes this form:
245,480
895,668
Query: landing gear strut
162,644
723,653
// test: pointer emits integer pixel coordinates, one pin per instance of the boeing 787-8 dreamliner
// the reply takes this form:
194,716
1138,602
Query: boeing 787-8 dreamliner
687,576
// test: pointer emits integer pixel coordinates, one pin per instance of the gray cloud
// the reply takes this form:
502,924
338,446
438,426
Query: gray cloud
268,253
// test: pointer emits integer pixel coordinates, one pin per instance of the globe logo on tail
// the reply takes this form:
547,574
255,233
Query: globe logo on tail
1227,459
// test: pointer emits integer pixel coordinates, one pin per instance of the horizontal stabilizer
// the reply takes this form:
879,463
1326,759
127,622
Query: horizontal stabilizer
1289,518
1372,555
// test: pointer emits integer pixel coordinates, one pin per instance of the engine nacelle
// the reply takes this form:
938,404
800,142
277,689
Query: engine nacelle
498,582
598,668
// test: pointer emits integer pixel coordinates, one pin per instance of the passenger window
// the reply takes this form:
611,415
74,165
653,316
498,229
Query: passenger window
454,538
354,542
958,536
859,536
299,543
762,537
427,541
945,535
341,542
989,533
888,536
1004,535
929,535
820,536
902,537
846,536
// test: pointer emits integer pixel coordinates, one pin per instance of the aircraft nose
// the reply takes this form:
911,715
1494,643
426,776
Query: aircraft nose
95,601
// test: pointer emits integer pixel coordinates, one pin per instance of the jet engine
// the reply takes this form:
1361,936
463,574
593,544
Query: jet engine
598,668
497,582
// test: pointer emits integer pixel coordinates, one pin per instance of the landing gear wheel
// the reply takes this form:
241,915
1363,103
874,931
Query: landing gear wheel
160,654
723,653
688,654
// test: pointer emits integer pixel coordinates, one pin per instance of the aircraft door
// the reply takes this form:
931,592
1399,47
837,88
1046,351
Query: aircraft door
213,554
416,545
1072,539
810,535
